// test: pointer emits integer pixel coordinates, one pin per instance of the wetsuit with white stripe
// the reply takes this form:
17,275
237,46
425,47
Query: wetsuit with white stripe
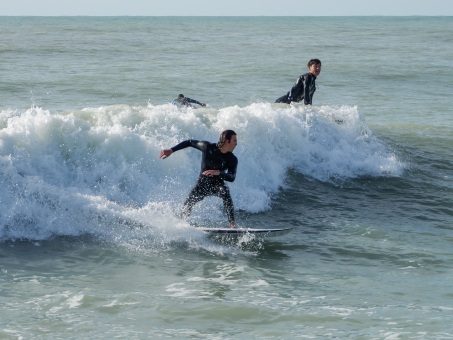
304,88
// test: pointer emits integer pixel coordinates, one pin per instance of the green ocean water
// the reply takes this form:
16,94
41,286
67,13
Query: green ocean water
89,243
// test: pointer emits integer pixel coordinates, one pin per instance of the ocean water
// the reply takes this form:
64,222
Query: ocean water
90,245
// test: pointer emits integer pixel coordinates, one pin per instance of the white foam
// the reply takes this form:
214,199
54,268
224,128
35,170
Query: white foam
85,171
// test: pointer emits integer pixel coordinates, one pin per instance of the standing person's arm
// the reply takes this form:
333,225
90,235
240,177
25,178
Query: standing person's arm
308,83
230,174
200,145
296,90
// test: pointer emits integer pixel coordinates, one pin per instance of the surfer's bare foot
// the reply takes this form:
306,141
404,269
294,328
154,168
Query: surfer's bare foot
232,225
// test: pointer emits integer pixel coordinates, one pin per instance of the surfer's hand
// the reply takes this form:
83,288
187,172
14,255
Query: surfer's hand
165,153
211,172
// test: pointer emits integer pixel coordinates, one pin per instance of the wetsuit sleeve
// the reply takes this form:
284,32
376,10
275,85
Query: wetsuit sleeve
230,174
190,100
200,145
296,90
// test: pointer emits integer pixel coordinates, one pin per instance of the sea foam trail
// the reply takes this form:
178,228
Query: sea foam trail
83,171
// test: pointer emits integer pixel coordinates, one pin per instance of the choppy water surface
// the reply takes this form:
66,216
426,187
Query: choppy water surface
89,243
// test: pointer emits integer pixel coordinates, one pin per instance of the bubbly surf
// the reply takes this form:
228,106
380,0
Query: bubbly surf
68,173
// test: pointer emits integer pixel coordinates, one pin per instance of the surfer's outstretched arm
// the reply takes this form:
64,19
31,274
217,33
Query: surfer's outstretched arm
200,145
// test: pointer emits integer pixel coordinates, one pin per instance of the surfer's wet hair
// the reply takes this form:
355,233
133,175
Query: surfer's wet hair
224,136
313,62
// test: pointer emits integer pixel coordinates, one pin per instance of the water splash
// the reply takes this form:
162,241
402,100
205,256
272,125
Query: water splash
97,170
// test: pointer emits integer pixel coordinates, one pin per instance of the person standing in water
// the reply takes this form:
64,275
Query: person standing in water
305,85
218,164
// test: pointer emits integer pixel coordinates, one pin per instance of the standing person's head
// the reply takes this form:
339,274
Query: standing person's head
314,67
227,141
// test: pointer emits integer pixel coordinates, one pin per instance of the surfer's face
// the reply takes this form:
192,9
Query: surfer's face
231,144
315,69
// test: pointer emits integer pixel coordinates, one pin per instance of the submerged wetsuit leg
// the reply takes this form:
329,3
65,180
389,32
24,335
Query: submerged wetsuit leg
283,99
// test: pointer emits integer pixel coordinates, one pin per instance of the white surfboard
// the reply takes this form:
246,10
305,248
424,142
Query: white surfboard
262,232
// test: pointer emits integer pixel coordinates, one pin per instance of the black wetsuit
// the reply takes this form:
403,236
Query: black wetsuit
304,88
212,159
185,101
